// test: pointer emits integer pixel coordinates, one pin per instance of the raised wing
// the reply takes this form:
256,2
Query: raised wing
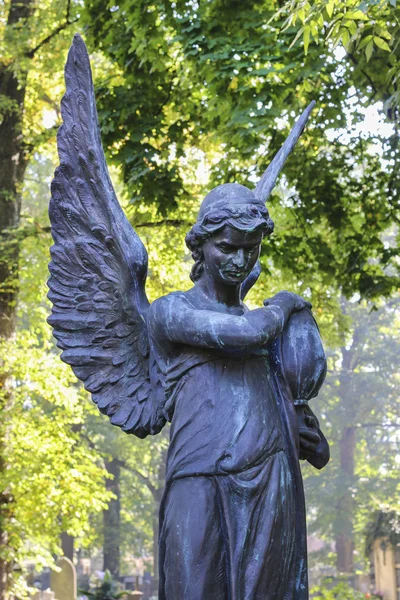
98,268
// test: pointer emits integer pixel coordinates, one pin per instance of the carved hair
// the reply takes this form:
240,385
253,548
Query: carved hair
246,217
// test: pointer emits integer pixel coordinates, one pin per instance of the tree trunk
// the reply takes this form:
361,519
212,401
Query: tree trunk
155,541
112,520
345,506
67,545
13,161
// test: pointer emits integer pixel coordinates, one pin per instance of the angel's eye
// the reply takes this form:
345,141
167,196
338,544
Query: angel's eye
224,248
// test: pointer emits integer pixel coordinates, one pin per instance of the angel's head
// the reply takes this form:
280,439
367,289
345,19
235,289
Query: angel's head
228,232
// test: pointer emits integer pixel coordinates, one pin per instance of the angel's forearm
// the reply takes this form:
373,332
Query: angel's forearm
211,329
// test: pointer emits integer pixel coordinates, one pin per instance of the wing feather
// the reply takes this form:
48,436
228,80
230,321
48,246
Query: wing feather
98,267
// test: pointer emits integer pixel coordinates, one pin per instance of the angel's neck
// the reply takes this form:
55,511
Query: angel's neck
218,292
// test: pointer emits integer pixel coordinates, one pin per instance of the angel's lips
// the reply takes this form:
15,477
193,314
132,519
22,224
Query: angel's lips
233,273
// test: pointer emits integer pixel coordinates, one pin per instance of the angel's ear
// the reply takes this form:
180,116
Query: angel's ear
268,180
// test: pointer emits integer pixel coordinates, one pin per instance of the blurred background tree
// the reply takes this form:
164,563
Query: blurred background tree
191,95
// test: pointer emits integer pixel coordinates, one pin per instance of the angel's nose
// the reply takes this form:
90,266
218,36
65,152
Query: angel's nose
239,259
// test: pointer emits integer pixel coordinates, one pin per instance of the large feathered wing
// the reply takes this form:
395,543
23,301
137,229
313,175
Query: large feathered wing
98,268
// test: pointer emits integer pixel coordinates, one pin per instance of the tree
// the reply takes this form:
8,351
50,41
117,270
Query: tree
137,478
25,31
24,34
145,473
183,107
359,408
54,481
216,83
367,31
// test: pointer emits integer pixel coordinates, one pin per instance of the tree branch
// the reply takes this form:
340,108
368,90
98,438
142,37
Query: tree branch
143,477
172,222
55,32
366,75
123,464
378,425
36,229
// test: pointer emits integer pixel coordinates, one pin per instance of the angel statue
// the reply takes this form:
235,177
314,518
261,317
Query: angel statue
234,383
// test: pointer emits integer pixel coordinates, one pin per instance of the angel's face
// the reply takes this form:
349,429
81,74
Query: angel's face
230,254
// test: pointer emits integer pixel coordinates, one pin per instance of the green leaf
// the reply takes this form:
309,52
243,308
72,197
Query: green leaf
369,50
306,38
381,44
385,34
296,38
314,29
356,15
345,36
329,8
353,28
301,14
365,41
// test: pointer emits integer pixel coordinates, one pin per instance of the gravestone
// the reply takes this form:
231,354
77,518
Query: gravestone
136,595
63,582
46,595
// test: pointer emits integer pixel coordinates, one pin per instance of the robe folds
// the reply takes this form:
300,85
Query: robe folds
232,519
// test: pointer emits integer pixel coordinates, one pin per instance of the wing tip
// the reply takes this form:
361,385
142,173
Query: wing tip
77,53
78,42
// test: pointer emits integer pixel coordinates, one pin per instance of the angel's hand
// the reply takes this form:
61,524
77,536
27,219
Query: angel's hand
313,445
309,442
288,302
308,432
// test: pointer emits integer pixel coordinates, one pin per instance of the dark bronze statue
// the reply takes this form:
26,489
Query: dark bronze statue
234,383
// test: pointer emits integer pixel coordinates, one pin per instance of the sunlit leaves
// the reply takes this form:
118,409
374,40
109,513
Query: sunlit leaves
55,479
362,28
361,392
191,96
226,85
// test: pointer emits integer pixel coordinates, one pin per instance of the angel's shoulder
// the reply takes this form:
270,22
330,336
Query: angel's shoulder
165,307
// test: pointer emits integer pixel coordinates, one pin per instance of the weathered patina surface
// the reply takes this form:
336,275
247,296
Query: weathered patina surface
234,383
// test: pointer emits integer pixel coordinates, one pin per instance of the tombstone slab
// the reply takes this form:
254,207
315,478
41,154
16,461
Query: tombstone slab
136,595
63,582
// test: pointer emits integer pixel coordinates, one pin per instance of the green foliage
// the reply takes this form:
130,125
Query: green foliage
358,409
105,589
369,32
55,480
382,525
342,591
205,94
142,482
34,50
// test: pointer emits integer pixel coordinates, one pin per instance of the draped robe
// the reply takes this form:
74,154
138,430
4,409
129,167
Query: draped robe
232,520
